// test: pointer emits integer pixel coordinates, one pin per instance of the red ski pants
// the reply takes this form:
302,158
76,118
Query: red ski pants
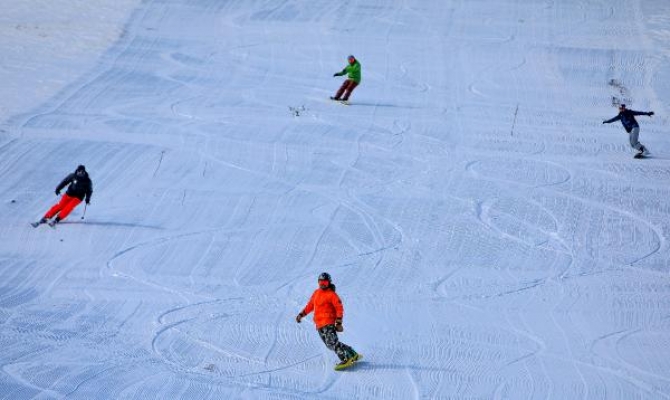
63,208
347,87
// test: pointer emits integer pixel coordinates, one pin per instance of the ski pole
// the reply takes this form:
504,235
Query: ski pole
83,215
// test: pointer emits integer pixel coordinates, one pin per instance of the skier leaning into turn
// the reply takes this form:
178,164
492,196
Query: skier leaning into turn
79,187
328,313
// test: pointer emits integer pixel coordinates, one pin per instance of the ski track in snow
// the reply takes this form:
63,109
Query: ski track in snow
489,238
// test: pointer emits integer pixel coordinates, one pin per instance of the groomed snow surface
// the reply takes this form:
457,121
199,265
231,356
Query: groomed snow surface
489,237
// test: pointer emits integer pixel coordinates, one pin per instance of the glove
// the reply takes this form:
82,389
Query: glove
57,192
299,317
88,202
337,74
650,113
338,325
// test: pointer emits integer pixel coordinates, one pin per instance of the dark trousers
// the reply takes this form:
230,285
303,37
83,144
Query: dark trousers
329,337
347,87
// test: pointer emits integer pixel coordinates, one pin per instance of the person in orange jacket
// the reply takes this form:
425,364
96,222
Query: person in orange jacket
328,313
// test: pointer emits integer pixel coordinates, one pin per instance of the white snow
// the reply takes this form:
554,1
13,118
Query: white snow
489,237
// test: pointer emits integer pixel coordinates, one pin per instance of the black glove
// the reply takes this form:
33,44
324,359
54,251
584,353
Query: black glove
88,202
299,317
650,113
338,325
604,122
337,74
57,192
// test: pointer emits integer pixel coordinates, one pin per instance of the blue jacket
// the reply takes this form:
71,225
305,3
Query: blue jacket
627,118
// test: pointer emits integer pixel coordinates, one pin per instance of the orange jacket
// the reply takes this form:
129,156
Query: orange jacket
326,305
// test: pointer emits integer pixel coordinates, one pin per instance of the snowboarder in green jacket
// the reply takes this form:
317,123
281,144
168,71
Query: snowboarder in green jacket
353,72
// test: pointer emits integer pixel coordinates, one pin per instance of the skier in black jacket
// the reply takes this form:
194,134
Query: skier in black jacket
79,187
629,123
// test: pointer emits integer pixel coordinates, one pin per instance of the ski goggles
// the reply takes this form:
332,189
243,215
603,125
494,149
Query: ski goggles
324,283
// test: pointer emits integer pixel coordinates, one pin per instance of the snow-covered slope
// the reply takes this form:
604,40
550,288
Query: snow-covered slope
489,237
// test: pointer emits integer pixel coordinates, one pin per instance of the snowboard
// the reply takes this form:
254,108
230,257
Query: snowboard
350,363
638,155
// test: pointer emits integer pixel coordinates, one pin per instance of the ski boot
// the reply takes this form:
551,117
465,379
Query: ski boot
38,223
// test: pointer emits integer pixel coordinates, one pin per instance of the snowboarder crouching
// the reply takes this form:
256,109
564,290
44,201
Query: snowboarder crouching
353,72
328,313
629,123
79,187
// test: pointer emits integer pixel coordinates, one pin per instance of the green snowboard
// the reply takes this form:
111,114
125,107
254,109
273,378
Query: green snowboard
350,362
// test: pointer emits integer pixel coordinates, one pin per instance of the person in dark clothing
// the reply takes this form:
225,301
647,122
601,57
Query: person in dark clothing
79,187
627,118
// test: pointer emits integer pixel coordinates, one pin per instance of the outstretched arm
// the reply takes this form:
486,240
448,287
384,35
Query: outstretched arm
607,121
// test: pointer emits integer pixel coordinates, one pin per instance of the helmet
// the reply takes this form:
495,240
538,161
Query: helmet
325,276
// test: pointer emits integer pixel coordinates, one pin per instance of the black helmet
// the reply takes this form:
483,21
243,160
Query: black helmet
325,276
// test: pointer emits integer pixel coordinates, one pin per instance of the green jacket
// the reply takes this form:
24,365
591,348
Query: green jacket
353,72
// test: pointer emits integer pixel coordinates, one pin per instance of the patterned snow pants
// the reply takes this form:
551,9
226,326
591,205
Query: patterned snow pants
329,337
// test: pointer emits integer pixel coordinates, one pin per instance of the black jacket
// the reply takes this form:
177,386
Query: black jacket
627,118
80,186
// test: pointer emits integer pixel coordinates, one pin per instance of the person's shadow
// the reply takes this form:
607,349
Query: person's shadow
354,102
104,223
